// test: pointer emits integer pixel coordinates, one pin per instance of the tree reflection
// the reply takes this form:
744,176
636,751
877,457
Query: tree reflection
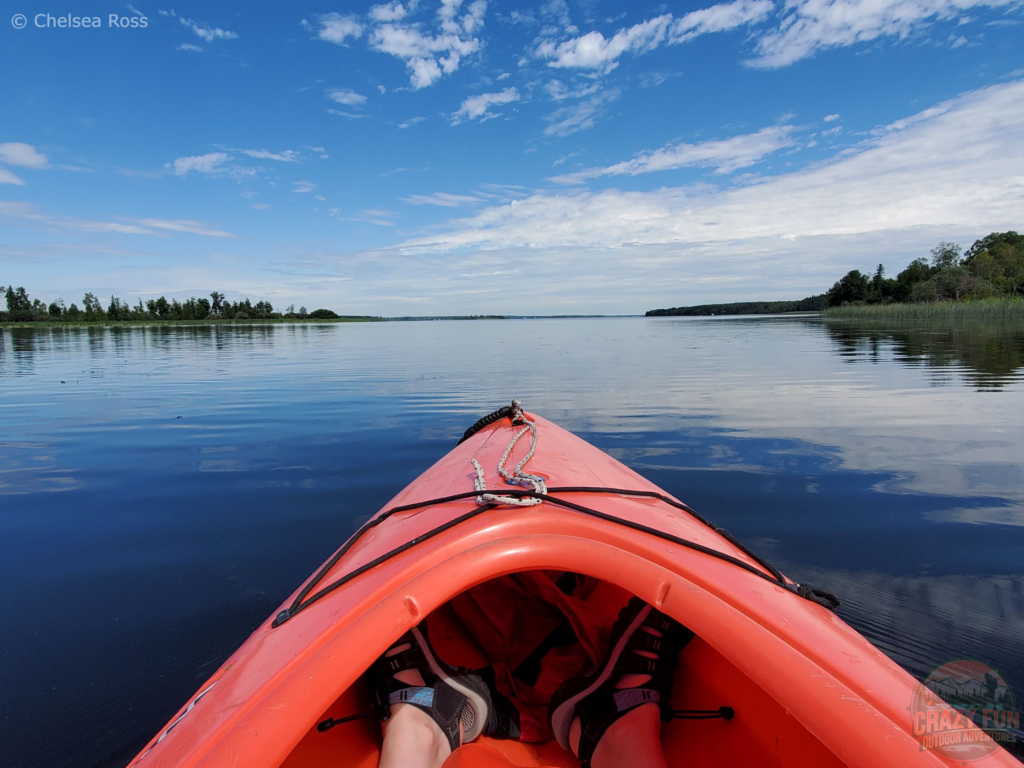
990,355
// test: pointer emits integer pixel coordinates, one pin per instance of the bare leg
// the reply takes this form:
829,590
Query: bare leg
633,739
411,738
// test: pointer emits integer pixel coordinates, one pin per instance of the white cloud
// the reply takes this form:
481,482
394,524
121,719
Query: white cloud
809,26
336,28
207,33
188,47
388,12
260,206
288,156
831,118
719,18
951,172
23,155
209,163
346,96
6,177
594,51
376,216
411,122
430,57
724,155
185,225
580,116
563,158
352,115
443,199
304,186
558,91
478,106
152,227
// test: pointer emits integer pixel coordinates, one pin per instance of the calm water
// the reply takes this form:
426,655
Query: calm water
163,489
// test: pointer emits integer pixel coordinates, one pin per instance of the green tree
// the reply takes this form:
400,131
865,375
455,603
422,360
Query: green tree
946,256
216,303
999,259
92,308
851,288
323,314
117,309
17,300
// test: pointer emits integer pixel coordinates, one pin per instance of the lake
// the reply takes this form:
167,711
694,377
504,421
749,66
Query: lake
163,489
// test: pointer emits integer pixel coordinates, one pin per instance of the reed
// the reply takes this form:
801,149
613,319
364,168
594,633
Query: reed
979,309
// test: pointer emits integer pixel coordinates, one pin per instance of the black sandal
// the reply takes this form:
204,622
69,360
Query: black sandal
459,700
593,696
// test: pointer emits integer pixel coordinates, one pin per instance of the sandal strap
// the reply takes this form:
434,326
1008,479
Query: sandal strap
598,711
411,658
645,641
443,703
632,664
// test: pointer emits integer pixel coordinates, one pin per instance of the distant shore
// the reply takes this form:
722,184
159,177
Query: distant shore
208,321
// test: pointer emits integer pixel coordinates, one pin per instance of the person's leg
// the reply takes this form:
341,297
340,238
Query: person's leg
633,735
411,737
635,739
412,740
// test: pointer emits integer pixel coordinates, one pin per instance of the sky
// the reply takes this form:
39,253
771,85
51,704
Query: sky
494,156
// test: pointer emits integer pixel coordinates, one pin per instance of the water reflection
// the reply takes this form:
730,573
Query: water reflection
989,355
204,471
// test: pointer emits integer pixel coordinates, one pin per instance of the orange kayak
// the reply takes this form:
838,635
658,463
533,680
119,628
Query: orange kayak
805,687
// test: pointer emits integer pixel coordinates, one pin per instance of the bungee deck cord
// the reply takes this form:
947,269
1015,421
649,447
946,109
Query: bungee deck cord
521,497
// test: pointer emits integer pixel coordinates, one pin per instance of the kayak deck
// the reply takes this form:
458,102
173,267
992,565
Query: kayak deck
807,688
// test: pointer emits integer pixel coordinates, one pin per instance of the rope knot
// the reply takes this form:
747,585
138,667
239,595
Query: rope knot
819,596
517,476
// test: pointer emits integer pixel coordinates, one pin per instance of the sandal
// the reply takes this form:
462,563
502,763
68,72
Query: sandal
593,696
459,700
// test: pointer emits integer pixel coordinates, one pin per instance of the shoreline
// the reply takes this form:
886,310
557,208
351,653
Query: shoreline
974,309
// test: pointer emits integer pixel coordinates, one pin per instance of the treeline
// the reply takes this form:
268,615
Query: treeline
992,267
810,304
21,308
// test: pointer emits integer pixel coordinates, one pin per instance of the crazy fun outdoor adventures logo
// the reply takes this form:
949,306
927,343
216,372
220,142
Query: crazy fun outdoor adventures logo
964,711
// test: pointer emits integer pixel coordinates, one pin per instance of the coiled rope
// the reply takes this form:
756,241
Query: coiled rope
517,476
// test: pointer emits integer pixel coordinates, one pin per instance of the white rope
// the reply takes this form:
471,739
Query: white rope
517,476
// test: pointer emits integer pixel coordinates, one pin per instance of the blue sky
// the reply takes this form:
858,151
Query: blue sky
498,156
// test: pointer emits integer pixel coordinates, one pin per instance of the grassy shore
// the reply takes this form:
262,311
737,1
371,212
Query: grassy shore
135,323
979,309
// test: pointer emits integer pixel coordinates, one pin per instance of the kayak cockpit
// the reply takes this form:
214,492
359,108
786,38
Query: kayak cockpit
761,733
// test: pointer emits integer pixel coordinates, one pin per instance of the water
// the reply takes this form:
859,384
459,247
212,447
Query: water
163,489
